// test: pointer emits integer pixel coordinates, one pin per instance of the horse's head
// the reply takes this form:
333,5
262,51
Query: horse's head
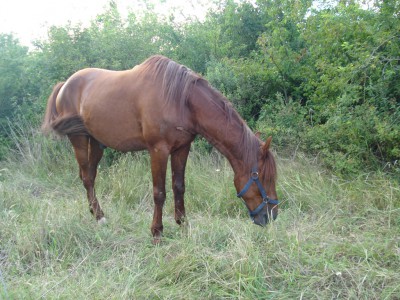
257,187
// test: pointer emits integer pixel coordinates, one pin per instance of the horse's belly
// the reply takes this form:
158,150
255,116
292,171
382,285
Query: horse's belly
122,144
130,145
121,136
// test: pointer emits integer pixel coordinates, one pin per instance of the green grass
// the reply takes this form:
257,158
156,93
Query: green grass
333,239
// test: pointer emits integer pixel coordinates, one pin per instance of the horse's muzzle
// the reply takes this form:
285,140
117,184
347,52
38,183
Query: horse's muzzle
264,217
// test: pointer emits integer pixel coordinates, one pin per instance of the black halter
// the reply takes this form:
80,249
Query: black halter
266,200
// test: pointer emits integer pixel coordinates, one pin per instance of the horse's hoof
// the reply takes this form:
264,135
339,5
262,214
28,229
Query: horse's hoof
180,221
156,241
102,221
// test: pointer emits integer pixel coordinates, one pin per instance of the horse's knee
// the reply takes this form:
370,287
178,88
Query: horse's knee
179,188
159,196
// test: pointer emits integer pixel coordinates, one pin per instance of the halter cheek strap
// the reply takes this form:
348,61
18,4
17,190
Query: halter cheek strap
266,200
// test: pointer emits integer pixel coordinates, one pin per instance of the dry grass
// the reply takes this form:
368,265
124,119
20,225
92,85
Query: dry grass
334,238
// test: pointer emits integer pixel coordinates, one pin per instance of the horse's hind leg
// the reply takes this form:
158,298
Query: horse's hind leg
88,154
178,165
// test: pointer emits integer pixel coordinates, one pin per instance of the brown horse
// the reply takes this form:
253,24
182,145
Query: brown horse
160,106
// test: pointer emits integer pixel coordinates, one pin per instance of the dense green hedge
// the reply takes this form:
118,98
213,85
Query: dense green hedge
321,79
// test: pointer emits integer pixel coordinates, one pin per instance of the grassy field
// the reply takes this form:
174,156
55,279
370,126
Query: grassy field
333,239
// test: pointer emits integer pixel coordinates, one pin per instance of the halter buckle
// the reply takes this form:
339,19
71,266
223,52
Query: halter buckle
254,175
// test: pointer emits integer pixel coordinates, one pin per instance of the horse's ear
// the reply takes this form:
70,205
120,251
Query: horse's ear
258,134
266,145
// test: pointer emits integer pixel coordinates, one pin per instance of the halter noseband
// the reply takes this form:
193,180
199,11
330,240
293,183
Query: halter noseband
266,200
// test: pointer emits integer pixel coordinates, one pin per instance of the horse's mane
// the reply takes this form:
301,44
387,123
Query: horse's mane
177,82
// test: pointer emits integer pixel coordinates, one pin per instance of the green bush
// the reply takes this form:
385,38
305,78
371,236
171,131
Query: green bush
357,139
286,121
245,82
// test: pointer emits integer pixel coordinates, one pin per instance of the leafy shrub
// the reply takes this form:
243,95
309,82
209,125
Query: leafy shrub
285,121
245,82
355,139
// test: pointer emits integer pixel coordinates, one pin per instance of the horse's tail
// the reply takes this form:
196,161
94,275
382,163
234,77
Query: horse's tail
66,124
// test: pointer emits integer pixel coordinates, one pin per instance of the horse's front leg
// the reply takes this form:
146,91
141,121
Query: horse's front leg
178,165
159,160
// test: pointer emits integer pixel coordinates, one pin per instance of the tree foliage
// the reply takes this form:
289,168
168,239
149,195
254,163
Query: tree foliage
321,76
12,85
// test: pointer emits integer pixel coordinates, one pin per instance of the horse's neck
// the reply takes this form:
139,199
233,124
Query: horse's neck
223,141
224,132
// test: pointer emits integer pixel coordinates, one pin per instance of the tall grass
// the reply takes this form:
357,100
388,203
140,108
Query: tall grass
334,238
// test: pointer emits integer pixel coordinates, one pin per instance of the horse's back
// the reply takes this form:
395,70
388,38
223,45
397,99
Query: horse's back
124,110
